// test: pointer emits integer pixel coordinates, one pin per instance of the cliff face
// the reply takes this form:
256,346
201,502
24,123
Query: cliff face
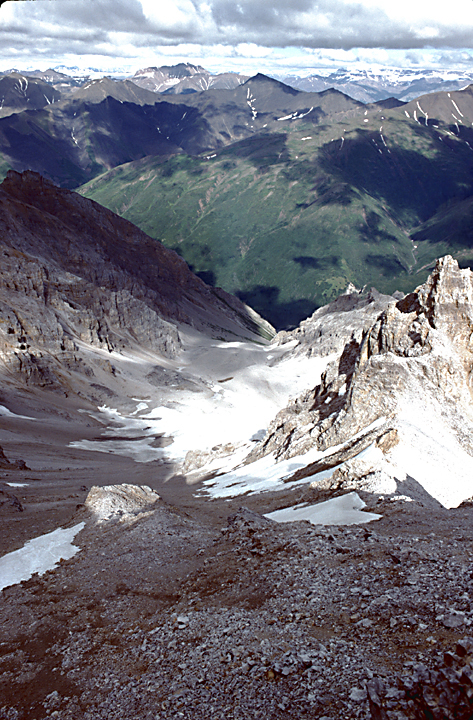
403,388
72,272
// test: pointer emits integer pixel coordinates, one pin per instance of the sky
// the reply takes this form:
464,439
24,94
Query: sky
278,37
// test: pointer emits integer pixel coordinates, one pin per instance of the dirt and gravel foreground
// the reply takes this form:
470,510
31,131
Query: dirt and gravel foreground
177,613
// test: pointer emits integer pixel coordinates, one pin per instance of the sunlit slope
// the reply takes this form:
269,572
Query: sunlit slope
287,219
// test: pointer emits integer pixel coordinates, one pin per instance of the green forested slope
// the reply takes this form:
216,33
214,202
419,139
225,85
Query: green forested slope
286,219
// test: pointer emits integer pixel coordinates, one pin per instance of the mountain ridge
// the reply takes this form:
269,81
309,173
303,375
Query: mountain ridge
74,140
336,195
355,183
86,275
368,86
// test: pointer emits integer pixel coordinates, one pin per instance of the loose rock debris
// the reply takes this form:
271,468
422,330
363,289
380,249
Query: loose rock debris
165,617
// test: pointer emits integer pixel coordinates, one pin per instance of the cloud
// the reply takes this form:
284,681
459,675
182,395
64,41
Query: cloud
344,23
62,29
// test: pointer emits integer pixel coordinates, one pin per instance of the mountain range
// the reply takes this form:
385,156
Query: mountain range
314,195
373,86
275,194
366,85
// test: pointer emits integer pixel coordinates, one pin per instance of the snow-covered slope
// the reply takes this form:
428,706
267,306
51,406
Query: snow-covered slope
405,389
371,393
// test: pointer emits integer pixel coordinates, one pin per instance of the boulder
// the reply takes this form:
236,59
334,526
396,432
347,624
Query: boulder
120,502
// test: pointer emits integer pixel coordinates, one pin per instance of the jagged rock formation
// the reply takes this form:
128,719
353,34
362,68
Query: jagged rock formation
404,386
343,322
75,274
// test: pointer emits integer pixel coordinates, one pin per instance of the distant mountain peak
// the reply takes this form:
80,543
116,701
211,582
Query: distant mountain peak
181,70
261,78
372,85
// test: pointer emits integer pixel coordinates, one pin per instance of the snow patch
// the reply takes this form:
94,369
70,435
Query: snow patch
38,555
344,510
259,381
5,412
457,108
430,453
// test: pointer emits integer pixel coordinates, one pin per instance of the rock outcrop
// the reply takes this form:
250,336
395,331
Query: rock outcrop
343,322
6,464
120,502
404,388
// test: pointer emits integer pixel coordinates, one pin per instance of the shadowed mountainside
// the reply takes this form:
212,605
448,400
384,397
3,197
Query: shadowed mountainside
279,196
73,272
286,219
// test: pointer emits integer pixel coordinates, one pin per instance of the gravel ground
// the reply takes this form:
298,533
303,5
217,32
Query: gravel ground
173,614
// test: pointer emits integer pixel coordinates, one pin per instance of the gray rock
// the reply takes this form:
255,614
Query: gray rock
358,694
454,619
120,501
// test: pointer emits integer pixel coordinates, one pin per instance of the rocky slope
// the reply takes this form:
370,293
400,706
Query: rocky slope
74,275
401,385
177,606
180,603
162,615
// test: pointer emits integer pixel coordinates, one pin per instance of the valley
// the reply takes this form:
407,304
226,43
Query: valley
235,375
325,204
334,191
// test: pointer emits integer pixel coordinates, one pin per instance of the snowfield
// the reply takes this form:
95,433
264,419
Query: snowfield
239,388
38,555
344,510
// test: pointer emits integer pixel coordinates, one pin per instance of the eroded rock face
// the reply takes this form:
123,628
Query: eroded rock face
73,272
46,313
343,322
410,375
120,502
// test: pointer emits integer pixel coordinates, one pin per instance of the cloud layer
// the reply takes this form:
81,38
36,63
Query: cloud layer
136,28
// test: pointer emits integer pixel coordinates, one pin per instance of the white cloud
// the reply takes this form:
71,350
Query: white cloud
284,33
